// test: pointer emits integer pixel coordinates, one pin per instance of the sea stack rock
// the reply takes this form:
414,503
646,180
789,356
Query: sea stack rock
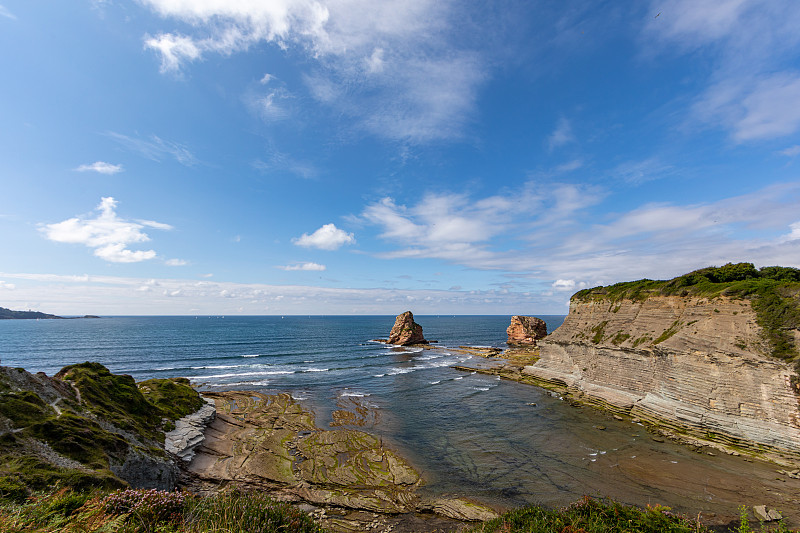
526,330
405,331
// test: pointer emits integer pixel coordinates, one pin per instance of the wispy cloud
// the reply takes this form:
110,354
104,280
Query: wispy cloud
792,151
101,167
4,12
763,107
176,262
328,237
561,135
303,266
282,162
156,149
552,236
477,232
106,233
7,286
108,295
393,58
569,166
752,47
641,171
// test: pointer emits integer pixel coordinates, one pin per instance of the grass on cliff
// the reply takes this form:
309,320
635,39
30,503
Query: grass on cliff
80,431
774,293
117,399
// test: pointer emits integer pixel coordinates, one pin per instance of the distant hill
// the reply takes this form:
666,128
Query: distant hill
8,313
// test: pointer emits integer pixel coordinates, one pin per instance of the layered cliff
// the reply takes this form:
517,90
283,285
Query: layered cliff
704,360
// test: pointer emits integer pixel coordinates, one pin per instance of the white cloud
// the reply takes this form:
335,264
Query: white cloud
792,151
5,284
772,109
794,234
271,106
752,49
328,237
564,284
374,63
4,12
459,229
156,148
394,58
763,107
266,79
561,135
638,172
304,266
569,166
557,235
108,234
174,49
110,295
176,262
100,166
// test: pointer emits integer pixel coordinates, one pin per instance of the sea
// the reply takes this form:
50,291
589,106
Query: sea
498,442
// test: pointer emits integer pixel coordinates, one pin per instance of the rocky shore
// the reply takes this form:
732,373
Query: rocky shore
347,478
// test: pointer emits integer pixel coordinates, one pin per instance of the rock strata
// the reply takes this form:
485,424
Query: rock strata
270,442
188,433
691,367
526,330
405,331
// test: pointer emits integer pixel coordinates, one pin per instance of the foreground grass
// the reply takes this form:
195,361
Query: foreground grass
593,516
151,511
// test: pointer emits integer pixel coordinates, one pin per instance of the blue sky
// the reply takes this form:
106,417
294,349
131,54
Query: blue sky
361,157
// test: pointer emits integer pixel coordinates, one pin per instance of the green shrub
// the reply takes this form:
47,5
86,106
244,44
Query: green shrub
591,516
240,512
174,398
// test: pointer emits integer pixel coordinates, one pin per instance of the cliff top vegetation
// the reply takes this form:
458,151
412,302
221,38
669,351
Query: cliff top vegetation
774,293
89,416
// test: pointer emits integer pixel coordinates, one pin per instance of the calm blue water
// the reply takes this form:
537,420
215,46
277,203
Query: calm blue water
501,442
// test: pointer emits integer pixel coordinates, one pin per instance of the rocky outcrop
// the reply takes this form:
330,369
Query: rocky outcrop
525,330
188,433
405,331
692,366
88,428
271,442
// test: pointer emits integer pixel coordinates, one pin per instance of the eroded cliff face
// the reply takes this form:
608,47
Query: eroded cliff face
697,367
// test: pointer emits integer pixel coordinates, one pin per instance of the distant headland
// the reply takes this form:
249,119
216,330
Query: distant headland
6,314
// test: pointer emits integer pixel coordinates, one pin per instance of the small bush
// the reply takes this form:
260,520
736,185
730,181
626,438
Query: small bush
239,512
147,508
592,516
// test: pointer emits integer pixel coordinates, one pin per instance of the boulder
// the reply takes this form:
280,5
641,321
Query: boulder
405,331
526,330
